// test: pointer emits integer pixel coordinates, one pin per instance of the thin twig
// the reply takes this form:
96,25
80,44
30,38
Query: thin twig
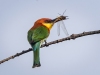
73,36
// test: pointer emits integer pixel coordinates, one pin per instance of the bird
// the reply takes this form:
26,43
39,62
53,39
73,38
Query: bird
38,34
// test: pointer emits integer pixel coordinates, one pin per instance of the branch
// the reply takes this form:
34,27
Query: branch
73,36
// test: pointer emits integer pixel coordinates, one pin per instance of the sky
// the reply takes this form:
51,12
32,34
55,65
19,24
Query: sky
75,57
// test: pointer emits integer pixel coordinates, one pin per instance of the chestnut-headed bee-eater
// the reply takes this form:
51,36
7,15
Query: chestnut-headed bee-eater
37,34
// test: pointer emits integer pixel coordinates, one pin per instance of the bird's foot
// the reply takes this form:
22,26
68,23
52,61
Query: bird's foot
46,44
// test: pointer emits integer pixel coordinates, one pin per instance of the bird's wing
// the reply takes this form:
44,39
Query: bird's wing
38,34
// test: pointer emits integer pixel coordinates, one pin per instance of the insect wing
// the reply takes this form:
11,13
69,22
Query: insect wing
58,28
64,28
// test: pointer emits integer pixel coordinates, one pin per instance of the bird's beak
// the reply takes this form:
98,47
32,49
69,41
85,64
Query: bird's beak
59,19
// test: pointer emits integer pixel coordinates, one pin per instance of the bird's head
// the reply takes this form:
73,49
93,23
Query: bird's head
49,22
45,22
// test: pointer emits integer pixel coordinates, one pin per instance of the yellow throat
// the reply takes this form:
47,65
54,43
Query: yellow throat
48,25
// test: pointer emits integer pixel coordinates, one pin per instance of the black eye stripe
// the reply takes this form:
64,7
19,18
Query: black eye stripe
48,21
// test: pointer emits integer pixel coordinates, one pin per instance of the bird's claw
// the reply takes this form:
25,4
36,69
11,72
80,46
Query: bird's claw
46,44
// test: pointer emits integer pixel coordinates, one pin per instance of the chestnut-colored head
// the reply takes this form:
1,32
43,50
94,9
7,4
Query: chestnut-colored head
45,22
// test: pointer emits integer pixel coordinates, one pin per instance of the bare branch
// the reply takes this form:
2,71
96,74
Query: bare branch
73,36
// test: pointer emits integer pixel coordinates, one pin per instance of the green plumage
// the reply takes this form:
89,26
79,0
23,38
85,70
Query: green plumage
35,36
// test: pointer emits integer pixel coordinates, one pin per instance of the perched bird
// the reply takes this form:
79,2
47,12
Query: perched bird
37,34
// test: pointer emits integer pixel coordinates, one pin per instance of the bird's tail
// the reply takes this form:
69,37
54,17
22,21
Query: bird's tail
36,62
